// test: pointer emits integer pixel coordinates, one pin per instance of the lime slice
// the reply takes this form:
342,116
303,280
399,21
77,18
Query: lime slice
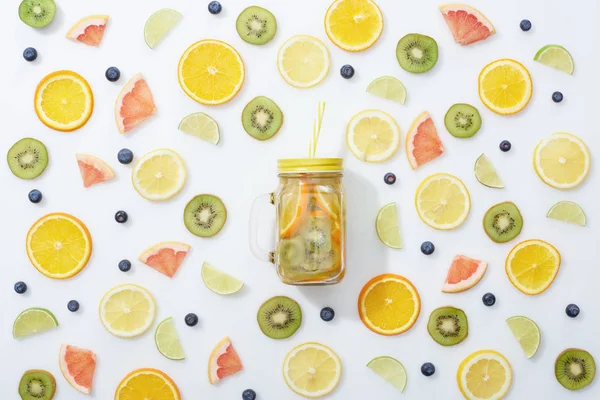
32,321
389,88
167,341
556,56
527,334
220,282
387,226
202,126
391,370
159,24
486,174
567,211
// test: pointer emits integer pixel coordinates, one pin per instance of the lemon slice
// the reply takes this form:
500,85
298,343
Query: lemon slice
391,370
389,88
443,201
353,25
373,136
167,341
557,57
387,226
562,161
527,334
220,282
159,174
568,211
127,310
532,266
505,86
159,24
486,173
201,125
312,370
485,374
33,321
303,61
147,383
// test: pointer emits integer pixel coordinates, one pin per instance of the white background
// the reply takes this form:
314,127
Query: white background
240,168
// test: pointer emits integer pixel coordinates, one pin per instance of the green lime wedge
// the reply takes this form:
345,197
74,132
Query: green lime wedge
202,126
387,226
159,24
486,173
567,211
527,334
391,370
556,56
32,321
220,282
388,88
167,341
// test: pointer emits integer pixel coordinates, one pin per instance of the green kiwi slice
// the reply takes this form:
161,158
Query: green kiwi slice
503,222
291,252
575,369
317,235
37,13
448,326
27,158
320,261
462,120
279,317
205,215
417,53
262,118
256,25
37,384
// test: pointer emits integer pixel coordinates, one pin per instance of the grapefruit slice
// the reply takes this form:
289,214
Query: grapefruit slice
467,24
78,367
89,30
134,104
464,273
223,362
165,257
422,141
93,170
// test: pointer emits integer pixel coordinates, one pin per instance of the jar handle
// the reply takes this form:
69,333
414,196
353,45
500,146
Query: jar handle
255,247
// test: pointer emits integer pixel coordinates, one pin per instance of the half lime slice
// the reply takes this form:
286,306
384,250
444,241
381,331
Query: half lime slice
388,88
159,24
556,56
387,226
567,211
33,321
486,173
167,341
391,370
527,334
220,282
202,126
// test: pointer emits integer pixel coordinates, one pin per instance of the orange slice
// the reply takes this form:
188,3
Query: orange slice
292,210
467,24
78,367
422,141
389,304
532,266
147,383
353,25
464,273
165,257
223,361
93,170
89,30
134,104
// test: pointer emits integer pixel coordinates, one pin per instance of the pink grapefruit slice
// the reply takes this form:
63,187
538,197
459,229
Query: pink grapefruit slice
467,24
165,257
464,273
89,30
93,170
422,141
78,367
223,362
134,104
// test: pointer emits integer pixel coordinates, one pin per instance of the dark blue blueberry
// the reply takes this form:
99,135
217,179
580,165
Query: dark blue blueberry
30,54
525,25
389,178
428,369
248,394
427,248
557,97
572,310
489,299
327,314
505,146
214,7
35,196
125,156
112,74
191,319
73,305
20,287
347,71
124,265
121,217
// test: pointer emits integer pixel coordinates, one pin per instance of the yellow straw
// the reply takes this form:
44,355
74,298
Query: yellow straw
312,150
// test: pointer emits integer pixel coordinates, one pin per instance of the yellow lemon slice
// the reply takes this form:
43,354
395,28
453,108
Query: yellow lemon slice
505,86
485,374
353,25
312,370
127,310
443,201
303,61
147,383
159,174
562,161
373,136
532,266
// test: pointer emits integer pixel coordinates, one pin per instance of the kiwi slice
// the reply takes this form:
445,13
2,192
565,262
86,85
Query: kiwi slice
279,317
462,121
317,235
503,222
37,13
291,252
417,53
448,326
27,158
262,118
321,261
256,25
575,369
205,215
37,384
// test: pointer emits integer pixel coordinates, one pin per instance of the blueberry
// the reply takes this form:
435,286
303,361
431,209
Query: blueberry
191,319
35,196
557,97
505,145
214,7
389,178
20,287
73,305
572,310
248,394
347,71
124,265
112,74
30,54
427,248
121,217
525,25
489,299
428,369
327,314
125,156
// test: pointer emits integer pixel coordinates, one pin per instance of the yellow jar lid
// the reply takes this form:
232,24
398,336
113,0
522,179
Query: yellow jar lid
291,165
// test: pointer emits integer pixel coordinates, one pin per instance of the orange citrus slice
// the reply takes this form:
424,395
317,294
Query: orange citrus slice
292,211
353,25
505,86
532,266
147,383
